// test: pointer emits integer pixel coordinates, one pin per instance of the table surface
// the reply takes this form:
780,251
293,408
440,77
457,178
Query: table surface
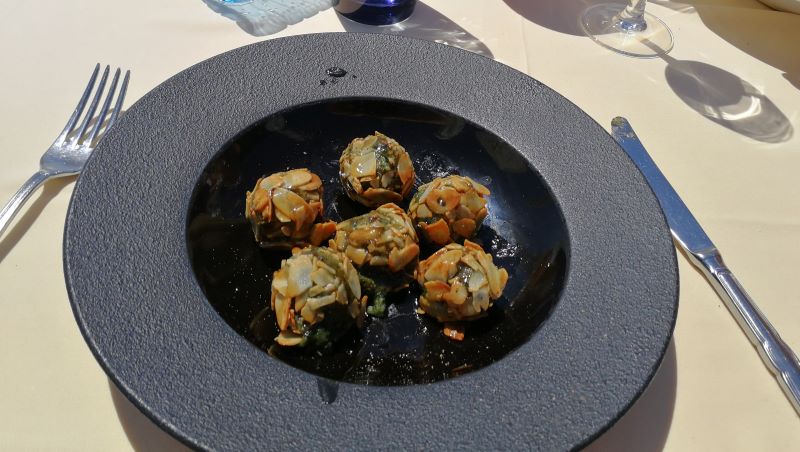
718,115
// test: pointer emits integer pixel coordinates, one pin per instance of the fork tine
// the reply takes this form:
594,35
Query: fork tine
120,99
81,104
92,106
104,110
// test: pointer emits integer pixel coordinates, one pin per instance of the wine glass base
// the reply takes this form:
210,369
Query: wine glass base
601,23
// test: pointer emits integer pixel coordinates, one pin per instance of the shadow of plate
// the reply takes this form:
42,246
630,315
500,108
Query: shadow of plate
646,425
143,434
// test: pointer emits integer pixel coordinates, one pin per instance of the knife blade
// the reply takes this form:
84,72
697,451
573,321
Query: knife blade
689,235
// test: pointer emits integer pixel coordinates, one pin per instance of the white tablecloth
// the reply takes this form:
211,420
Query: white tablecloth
719,115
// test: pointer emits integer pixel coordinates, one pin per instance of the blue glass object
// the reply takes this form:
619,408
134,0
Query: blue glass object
375,12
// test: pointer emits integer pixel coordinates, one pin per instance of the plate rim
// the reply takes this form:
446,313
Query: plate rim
82,207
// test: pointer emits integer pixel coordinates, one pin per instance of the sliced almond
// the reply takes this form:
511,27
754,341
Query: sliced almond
457,294
478,187
284,199
357,255
436,202
316,207
260,200
297,177
369,141
463,212
423,211
386,179
435,290
315,291
473,201
318,303
492,274
313,184
473,263
391,207
405,169
450,197
292,205
300,301
248,214
375,248
352,280
288,339
354,183
341,294
472,245
279,282
451,258
320,277
308,314
282,217
427,189
274,180
388,236
481,215
362,236
460,183
480,299
503,280
438,232
272,296
398,259
340,240
476,280
282,305
364,165
321,231
445,267
292,320
381,195
464,227
299,277
453,332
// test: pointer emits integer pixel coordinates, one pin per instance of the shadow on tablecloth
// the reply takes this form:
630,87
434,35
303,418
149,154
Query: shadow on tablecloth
142,433
727,100
714,93
428,24
767,35
644,428
752,27
13,235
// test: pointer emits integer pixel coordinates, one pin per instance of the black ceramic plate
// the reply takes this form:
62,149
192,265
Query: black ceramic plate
170,291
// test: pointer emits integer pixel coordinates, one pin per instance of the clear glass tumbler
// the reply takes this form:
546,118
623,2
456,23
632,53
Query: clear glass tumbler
375,12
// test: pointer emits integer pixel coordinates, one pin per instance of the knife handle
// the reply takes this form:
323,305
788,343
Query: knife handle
776,354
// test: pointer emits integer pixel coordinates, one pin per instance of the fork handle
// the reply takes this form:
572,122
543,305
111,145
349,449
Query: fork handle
19,198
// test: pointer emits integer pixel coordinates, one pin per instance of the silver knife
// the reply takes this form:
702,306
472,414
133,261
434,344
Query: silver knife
776,354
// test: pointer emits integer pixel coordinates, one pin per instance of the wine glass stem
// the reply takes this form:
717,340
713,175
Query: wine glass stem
631,19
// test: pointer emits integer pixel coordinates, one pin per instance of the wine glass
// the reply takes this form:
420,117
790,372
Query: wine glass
627,29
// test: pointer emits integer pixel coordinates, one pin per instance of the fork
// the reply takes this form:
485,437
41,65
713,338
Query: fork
69,152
